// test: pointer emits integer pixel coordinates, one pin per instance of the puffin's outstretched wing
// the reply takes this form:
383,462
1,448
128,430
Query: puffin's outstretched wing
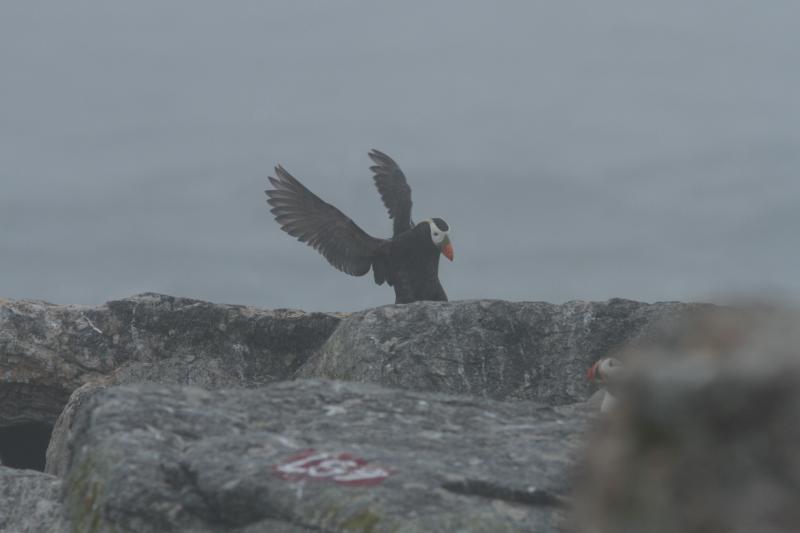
394,190
302,214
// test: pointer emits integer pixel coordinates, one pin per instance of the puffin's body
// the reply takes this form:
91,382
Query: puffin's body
412,266
608,372
409,261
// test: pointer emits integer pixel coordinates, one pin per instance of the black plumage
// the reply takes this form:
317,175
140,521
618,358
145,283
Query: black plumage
409,261
394,190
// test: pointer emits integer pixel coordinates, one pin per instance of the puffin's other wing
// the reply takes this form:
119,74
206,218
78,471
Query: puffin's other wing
302,214
394,190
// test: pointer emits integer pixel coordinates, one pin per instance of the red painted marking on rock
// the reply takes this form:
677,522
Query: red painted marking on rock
342,468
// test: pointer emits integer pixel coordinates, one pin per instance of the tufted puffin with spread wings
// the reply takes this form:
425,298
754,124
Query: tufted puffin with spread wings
409,261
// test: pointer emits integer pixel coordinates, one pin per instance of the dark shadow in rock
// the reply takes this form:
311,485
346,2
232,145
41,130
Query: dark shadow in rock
24,445
487,489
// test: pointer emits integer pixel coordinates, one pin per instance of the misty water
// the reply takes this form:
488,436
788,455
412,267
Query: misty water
581,150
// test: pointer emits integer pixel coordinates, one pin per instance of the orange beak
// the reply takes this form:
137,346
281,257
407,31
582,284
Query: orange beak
591,374
447,251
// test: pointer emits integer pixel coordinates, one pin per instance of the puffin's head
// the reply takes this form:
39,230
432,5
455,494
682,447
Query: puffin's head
440,237
604,369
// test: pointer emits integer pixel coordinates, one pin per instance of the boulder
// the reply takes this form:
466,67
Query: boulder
56,454
29,502
705,436
47,351
487,348
317,456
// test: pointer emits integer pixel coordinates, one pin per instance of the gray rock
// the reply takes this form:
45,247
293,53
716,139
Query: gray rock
487,348
29,502
706,434
148,458
47,351
57,451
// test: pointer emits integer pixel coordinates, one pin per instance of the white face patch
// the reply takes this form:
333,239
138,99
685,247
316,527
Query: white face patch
437,235
610,367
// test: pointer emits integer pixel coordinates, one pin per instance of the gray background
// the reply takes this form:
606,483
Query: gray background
579,150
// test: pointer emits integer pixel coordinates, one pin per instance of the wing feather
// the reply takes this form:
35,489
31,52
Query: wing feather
394,190
304,215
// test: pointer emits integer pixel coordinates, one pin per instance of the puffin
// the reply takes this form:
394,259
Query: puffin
408,261
607,372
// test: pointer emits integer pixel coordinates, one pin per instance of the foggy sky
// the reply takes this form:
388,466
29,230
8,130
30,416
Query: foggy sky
579,150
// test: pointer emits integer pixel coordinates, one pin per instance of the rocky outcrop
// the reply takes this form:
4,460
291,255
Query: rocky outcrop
29,502
703,438
487,348
317,456
483,348
706,435
47,351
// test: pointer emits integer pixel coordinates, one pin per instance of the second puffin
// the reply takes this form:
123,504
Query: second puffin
409,261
